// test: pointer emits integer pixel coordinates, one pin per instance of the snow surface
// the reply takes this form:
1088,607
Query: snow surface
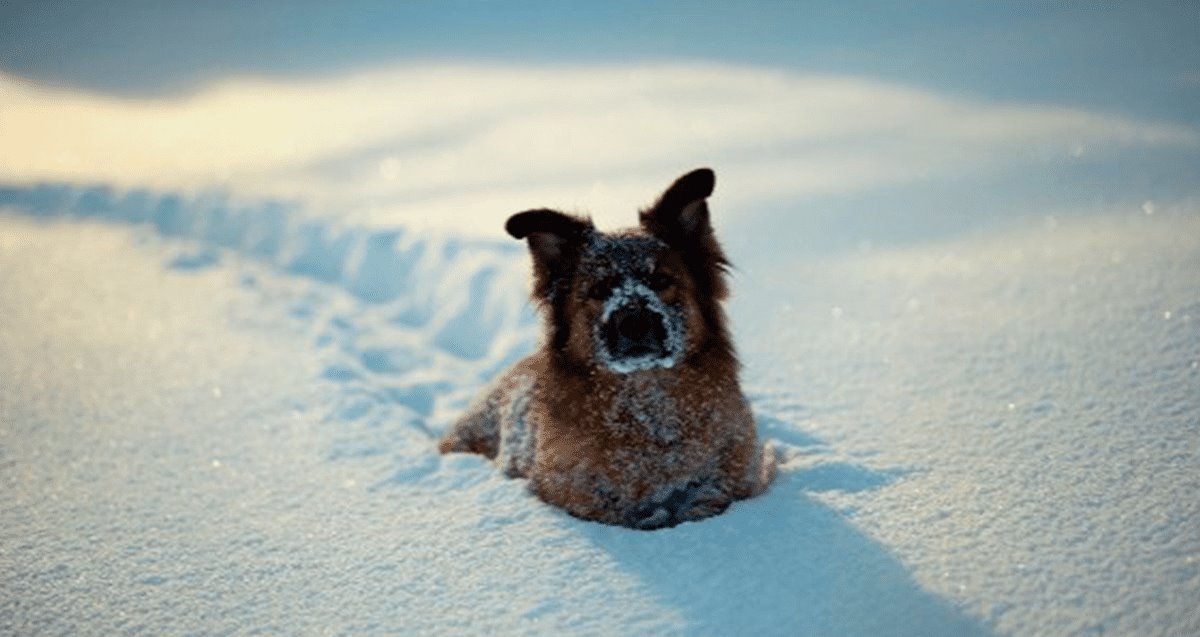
221,419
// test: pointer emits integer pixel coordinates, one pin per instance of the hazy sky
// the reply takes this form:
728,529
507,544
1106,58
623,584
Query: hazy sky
1138,58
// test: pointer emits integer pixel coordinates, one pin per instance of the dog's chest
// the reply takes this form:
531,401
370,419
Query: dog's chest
645,408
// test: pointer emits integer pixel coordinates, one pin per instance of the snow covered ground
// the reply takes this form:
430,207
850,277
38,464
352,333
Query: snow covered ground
252,265
220,419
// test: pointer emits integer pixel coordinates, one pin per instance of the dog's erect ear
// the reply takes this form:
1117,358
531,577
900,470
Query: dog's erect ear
552,235
554,241
680,217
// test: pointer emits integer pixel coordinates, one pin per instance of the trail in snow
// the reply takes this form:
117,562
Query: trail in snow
313,498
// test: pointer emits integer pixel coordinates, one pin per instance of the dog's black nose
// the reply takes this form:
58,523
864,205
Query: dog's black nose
636,331
636,324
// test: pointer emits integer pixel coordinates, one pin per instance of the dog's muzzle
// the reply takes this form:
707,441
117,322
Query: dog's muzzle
636,331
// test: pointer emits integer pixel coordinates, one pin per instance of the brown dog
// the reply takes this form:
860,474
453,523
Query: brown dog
630,413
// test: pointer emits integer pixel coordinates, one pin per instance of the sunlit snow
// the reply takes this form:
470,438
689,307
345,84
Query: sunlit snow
235,322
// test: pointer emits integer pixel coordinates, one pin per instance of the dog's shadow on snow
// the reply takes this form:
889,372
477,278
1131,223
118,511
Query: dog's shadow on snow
785,564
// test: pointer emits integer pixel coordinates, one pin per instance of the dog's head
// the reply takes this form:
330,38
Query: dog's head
637,299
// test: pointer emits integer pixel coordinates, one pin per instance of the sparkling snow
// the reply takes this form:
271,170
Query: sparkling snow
221,420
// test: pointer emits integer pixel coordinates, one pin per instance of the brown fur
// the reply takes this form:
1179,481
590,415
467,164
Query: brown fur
649,447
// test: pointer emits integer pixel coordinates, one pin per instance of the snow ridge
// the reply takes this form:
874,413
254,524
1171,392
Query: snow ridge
375,299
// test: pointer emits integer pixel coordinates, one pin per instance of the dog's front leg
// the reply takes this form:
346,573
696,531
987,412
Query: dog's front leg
482,428
477,431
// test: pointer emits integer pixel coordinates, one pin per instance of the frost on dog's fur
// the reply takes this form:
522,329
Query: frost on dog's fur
629,291
630,412
515,455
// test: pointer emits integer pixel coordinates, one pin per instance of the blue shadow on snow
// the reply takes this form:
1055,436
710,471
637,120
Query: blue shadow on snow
782,564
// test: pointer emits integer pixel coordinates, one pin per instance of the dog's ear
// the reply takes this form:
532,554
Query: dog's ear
680,217
555,240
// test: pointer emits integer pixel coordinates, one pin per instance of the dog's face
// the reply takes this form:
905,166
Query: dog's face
631,306
635,300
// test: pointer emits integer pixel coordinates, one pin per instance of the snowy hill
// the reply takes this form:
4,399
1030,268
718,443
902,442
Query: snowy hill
219,418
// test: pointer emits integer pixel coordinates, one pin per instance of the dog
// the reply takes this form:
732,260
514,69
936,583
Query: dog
630,412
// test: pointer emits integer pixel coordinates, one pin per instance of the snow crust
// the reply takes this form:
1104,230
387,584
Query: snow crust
221,418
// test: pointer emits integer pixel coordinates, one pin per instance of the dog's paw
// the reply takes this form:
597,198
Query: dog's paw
696,500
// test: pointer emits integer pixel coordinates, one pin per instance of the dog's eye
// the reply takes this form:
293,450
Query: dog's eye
660,281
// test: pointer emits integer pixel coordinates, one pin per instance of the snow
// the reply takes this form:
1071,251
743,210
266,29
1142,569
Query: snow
1045,410
221,418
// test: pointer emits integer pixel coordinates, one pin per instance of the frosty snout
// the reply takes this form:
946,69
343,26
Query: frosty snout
635,331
